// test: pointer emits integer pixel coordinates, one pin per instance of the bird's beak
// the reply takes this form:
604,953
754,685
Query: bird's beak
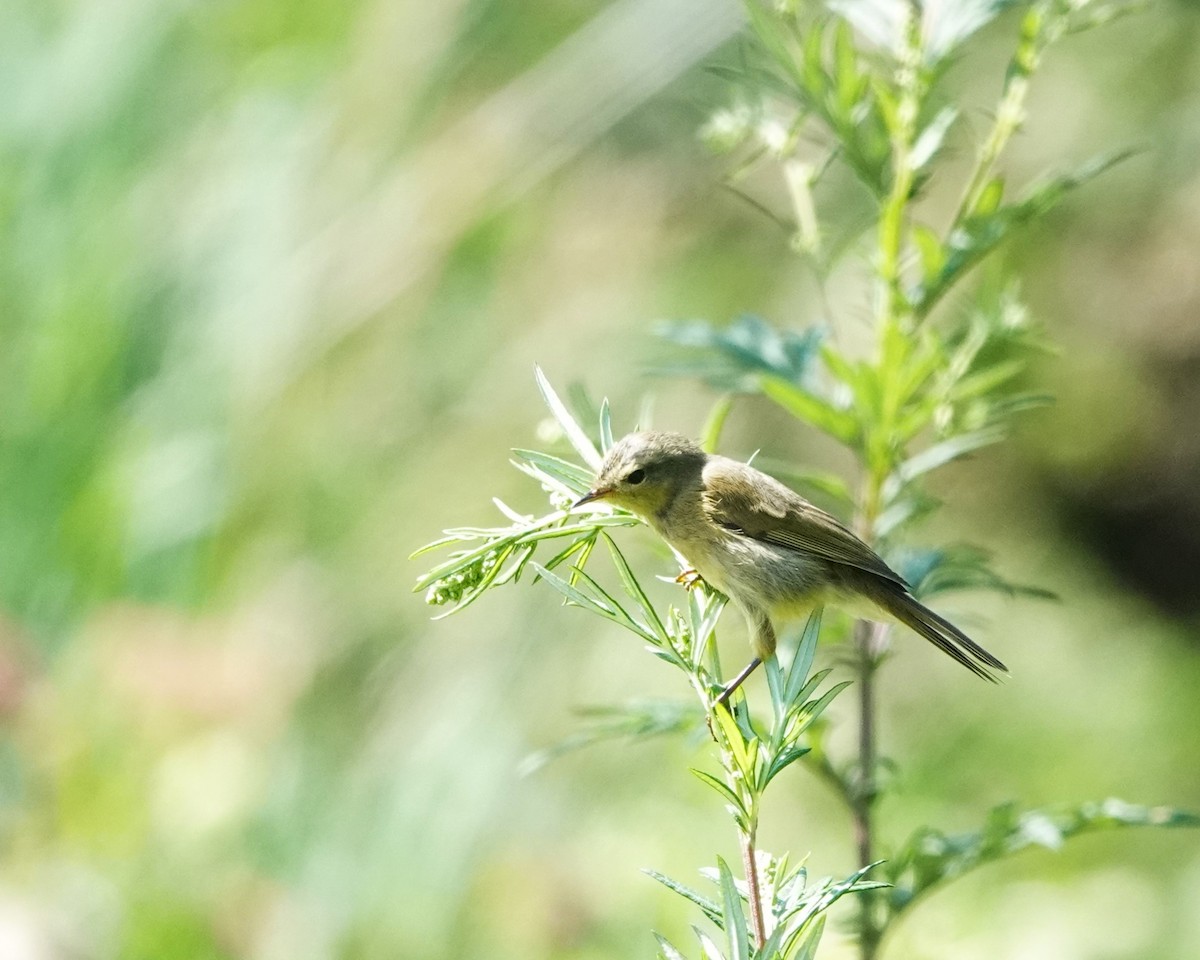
598,493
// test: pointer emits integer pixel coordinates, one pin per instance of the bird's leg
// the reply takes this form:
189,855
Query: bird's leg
689,578
762,640
736,682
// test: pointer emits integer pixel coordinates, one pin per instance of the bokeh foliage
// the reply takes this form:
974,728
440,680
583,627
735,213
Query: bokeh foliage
273,282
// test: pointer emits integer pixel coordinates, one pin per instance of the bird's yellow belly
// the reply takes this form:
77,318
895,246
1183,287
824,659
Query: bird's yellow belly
784,583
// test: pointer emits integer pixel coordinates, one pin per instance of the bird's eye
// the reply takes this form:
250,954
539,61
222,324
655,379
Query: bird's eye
636,477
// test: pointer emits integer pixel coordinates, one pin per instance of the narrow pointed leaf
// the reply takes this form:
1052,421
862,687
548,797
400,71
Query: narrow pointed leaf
606,434
710,909
805,654
574,477
665,950
574,432
722,788
711,950
735,917
808,948
810,408
635,591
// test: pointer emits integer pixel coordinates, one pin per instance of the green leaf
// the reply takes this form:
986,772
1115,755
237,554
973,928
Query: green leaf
732,357
988,201
634,589
906,509
723,789
930,857
931,138
735,917
847,81
606,434
711,950
800,699
743,749
783,761
583,543
932,253
598,601
808,947
638,720
710,909
665,950
573,477
810,408
704,610
570,426
989,224
710,437
935,571
806,652
946,26
817,707
767,31
812,483
775,684
947,451
880,21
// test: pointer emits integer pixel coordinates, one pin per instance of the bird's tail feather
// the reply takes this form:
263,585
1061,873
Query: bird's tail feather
941,633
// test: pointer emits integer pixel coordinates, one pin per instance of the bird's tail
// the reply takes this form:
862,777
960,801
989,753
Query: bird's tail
940,632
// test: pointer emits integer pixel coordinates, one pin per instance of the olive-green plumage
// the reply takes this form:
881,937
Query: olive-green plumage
763,545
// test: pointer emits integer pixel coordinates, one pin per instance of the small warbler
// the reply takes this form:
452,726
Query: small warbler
764,546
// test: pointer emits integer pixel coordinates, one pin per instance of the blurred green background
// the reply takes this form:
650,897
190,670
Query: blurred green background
275,277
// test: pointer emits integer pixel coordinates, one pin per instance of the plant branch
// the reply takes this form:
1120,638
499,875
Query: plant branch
1043,23
753,891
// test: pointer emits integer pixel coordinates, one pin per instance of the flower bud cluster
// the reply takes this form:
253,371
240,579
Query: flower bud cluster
451,589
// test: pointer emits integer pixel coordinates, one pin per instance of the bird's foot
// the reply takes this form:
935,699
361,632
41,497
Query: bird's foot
689,578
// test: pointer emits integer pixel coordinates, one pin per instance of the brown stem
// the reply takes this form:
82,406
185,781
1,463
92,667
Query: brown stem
868,637
750,863
864,794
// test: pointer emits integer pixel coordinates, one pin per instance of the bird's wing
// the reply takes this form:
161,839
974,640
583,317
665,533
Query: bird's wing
740,498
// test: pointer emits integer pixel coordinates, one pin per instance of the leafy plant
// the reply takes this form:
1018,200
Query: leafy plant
861,86
774,911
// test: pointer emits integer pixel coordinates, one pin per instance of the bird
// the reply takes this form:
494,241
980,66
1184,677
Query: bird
770,551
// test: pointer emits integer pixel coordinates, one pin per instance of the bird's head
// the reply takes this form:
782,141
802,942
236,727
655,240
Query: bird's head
643,472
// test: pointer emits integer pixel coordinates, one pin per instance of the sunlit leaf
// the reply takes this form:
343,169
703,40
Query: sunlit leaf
639,720
731,358
931,138
944,26
710,436
735,917
985,229
935,571
572,477
810,408
634,589
665,950
806,652
931,857
932,253
947,451
606,434
807,948
709,908
723,789
711,950
574,432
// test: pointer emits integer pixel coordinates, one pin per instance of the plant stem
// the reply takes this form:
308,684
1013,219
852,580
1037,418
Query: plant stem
1043,23
864,795
891,303
868,643
750,863
866,637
